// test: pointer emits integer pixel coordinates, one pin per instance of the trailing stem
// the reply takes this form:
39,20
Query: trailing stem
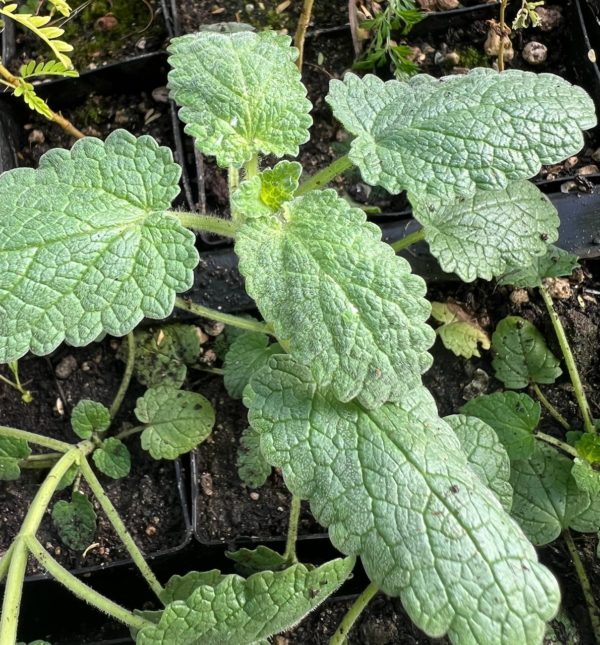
31,437
550,408
569,361
300,36
129,365
292,536
323,177
341,635
207,223
586,587
565,447
409,240
503,30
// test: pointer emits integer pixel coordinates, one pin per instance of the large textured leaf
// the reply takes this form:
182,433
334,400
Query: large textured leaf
348,307
446,137
480,236
554,264
177,421
86,246
487,456
512,416
393,485
243,611
522,356
11,452
240,94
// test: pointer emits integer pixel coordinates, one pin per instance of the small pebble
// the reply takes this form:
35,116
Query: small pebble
36,136
121,117
254,496
66,367
86,367
519,296
571,162
59,407
206,483
215,328
569,187
106,23
535,53
202,337
150,530
550,17
209,356
160,94
591,169
596,154
453,58
558,288
447,5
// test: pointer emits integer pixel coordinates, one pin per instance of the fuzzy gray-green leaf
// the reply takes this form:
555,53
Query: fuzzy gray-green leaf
86,246
75,521
249,561
12,450
348,306
240,94
112,458
480,236
393,485
447,137
89,417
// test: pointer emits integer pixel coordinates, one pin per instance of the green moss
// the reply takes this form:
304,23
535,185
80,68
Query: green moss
471,58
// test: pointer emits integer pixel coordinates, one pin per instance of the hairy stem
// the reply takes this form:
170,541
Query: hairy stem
129,432
116,404
292,536
5,562
586,587
300,36
219,316
120,528
503,5
251,167
233,182
582,402
565,447
80,589
208,223
323,177
32,437
550,408
409,240
341,634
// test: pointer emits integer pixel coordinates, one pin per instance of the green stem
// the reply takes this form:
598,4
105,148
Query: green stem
208,223
31,437
551,409
116,405
130,431
39,462
557,442
409,240
5,562
341,634
251,167
323,177
570,362
233,182
211,370
586,587
228,319
120,528
80,589
502,35
292,536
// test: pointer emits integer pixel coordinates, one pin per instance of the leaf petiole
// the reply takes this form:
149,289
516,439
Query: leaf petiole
341,635
553,441
290,547
32,437
550,408
129,366
207,223
324,176
409,240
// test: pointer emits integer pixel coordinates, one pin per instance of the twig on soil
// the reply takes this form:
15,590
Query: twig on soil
300,36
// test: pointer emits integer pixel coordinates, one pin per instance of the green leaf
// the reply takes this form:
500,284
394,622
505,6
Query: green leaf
448,137
240,94
546,498
253,468
266,193
555,264
512,416
249,561
588,447
69,477
162,355
89,417
247,354
393,485
182,587
480,236
487,457
75,521
347,305
86,246
245,611
460,333
522,356
113,458
586,478
12,450
177,421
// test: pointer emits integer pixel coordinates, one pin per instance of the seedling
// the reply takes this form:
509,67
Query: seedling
337,404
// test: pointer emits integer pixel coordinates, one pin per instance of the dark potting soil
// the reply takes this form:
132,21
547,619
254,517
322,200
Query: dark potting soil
147,500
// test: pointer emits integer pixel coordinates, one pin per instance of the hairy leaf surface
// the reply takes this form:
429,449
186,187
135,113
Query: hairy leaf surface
447,137
347,305
113,458
555,264
253,468
480,236
12,450
86,246
249,561
243,611
240,94
393,485
75,521
89,417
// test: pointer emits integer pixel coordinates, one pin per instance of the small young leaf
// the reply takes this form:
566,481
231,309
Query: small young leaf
113,458
487,457
555,264
447,137
394,487
588,447
68,478
522,356
349,307
177,421
240,94
459,332
512,416
89,245
249,561
89,417
479,236
253,468
586,478
75,521
182,587
11,452
244,611
247,354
